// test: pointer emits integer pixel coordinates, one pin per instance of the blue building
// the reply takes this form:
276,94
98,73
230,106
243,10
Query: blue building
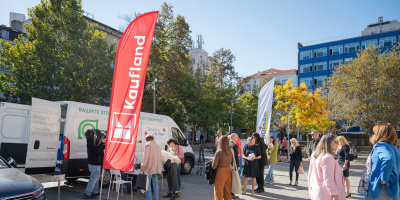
317,62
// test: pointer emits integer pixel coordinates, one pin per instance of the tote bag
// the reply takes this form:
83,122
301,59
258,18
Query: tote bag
301,169
141,182
236,185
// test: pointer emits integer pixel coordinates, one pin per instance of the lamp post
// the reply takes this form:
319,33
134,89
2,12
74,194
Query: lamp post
154,93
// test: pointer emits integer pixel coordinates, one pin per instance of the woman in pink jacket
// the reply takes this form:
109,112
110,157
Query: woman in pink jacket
325,176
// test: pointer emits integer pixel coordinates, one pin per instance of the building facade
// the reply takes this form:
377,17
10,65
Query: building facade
279,75
317,62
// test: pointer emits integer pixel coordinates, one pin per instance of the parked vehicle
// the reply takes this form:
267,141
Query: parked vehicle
302,144
14,184
49,133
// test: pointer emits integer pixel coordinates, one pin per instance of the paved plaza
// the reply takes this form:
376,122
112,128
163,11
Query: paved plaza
195,187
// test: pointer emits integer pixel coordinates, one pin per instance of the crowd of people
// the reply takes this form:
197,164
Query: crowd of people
328,173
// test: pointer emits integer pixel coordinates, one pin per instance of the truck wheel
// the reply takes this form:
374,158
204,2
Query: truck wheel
107,178
187,166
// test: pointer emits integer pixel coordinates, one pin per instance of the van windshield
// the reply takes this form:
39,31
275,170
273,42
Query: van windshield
177,135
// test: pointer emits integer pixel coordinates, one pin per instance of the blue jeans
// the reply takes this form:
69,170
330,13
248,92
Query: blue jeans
93,184
179,175
269,178
152,179
240,165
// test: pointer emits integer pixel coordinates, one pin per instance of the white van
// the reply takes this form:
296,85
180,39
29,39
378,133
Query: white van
49,127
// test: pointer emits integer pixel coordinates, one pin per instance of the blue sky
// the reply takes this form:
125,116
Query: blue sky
261,34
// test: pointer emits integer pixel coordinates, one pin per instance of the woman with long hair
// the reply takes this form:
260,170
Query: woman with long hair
272,160
251,153
343,153
325,176
296,158
262,162
222,161
384,164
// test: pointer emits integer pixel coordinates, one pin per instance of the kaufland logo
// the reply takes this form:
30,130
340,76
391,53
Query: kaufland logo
123,128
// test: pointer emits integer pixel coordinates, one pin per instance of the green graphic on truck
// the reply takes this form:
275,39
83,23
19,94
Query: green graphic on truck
85,125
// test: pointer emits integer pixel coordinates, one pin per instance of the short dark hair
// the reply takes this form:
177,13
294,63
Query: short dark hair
149,137
172,140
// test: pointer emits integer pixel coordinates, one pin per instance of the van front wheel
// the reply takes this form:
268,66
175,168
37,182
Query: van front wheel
187,166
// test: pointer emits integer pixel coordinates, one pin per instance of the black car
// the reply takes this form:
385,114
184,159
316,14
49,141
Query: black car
15,184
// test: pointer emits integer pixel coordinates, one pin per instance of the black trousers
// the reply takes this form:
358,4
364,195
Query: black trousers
260,179
294,164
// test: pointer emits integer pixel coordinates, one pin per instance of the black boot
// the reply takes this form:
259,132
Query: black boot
175,196
260,190
168,195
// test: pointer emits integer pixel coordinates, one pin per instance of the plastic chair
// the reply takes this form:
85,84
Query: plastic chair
118,182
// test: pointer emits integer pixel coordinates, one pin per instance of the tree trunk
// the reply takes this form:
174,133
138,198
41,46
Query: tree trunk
194,131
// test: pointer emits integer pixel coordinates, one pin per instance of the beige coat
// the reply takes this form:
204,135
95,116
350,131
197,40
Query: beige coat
152,158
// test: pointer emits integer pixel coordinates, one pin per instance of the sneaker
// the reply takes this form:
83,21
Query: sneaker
88,196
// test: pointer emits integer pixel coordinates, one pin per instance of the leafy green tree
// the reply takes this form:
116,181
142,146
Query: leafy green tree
64,58
366,90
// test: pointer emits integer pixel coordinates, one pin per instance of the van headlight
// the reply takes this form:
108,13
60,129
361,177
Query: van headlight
38,193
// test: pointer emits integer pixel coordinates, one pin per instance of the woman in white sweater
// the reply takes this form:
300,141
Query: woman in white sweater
173,185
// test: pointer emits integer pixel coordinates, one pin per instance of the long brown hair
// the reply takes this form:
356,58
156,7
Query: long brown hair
223,144
324,145
273,139
384,132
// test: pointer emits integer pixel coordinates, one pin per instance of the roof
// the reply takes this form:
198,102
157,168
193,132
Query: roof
272,72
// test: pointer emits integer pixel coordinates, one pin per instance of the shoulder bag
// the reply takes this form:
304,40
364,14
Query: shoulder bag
236,185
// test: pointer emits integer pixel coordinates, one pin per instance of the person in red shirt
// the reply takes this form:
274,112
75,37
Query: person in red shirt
239,145
285,145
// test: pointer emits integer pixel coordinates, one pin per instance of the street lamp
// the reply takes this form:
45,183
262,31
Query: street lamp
154,93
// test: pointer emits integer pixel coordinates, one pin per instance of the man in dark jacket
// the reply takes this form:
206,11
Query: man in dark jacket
232,142
312,146
261,162
95,150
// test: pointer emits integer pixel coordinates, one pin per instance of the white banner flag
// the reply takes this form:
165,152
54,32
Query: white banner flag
264,110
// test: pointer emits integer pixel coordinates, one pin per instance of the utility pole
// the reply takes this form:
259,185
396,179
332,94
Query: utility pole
154,93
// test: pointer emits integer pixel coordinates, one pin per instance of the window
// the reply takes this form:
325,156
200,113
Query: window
319,52
305,55
333,64
16,126
347,60
177,135
4,34
283,82
335,50
352,47
307,81
306,68
366,43
320,66
320,80
387,41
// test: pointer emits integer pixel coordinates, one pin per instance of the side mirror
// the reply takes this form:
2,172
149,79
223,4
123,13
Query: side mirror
12,162
166,147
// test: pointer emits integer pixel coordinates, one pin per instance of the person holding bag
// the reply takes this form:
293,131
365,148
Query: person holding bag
262,162
176,150
295,160
171,162
222,162
251,155
384,173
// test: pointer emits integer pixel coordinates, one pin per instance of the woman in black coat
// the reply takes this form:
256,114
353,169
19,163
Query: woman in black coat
262,162
295,159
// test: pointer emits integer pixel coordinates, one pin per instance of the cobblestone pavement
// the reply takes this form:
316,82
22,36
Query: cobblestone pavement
195,187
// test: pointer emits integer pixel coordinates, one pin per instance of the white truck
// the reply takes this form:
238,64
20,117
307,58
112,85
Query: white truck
49,133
